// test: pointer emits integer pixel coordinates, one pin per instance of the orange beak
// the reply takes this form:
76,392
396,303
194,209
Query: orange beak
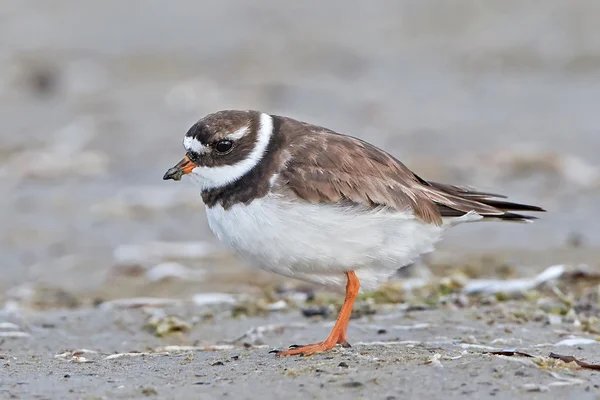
183,167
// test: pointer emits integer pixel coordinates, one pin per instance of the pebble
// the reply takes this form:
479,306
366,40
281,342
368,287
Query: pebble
554,319
206,299
576,341
170,270
14,334
9,325
315,311
277,306
138,302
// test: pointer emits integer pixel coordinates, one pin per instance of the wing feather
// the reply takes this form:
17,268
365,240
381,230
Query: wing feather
324,166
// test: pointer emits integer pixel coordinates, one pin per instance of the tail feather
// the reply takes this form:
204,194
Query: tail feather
462,200
465,191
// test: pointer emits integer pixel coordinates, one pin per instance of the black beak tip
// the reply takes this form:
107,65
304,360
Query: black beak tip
173,173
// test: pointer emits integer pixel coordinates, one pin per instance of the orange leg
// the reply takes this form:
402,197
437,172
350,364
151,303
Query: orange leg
338,333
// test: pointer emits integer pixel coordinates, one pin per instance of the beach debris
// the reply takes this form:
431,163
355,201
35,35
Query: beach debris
317,311
407,343
80,360
583,272
176,349
560,381
554,319
69,353
576,341
250,308
170,270
477,347
509,353
163,325
277,306
418,326
182,349
76,356
435,361
149,391
14,334
511,286
570,359
135,354
535,387
209,299
256,335
458,357
507,341
352,384
139,302
564,381
9,326
383,330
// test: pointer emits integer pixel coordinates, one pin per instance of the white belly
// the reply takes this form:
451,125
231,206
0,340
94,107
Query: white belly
318,243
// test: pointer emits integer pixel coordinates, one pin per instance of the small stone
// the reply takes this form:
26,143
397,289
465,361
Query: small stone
216,363
381,331
149,392
554,319
277,306
314,312
210,299
352,384
164,325
343,365
172,270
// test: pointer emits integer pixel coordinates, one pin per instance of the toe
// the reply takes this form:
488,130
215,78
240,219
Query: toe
307,350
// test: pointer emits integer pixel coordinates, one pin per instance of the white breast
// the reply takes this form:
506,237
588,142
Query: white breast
317,243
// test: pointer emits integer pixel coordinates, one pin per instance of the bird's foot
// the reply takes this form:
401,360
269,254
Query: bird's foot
311,349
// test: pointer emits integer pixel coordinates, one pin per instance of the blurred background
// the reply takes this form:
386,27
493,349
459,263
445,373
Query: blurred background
95,97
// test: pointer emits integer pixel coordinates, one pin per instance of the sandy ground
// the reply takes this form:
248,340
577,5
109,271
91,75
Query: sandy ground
95,97
391,358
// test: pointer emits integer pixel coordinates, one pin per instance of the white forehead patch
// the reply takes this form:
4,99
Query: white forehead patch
190,143
214,177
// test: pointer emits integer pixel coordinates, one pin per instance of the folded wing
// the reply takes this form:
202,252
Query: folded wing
343,169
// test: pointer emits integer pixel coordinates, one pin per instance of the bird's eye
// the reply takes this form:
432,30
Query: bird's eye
223,146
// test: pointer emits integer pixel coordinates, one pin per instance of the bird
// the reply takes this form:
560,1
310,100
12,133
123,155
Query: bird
307,202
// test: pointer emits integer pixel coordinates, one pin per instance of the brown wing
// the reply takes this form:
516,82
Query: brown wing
328,167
